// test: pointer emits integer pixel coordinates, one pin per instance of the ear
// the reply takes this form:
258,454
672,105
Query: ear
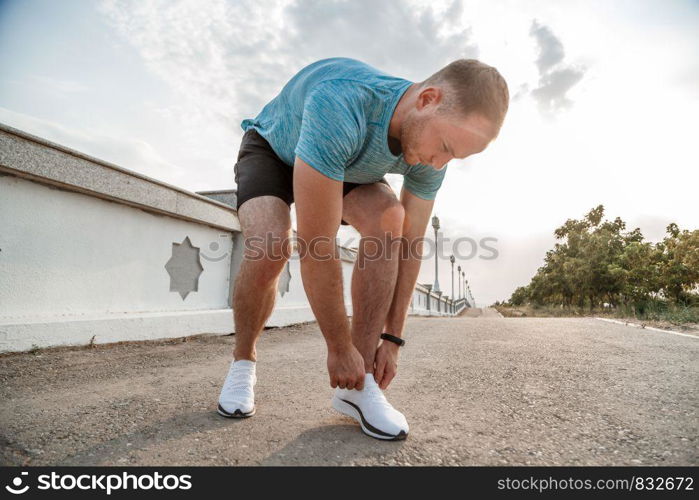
429,96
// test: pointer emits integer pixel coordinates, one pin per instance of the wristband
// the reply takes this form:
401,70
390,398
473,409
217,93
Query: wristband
393,338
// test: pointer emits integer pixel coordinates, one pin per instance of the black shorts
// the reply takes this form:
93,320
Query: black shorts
260,172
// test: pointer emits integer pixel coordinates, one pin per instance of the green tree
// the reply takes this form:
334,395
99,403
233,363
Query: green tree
598,261
679,264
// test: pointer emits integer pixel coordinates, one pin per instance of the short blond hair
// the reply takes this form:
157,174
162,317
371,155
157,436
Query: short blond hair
472,87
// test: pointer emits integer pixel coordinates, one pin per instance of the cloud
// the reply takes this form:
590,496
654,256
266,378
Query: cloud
218,58
402,38
521,91
225,60
556,78
550,47
553,87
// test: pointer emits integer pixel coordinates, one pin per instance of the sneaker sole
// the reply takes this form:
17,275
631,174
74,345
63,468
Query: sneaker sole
351,410
236,413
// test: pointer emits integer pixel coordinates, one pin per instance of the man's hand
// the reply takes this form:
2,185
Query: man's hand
346,368
386,363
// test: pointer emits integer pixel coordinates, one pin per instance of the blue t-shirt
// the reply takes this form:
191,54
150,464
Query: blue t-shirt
334,115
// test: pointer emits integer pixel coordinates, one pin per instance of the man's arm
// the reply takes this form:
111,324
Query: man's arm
417,216
318,214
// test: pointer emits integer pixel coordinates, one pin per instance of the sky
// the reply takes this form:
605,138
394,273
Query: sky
604,108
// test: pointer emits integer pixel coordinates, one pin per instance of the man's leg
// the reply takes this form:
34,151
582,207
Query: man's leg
265,192
266,224
377,214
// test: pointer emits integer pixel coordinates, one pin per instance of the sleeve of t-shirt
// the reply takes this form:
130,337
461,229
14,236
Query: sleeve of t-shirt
424,181
330,135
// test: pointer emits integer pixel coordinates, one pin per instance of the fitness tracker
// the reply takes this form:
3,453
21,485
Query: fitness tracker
393,338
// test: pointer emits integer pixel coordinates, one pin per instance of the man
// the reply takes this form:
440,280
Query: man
326,142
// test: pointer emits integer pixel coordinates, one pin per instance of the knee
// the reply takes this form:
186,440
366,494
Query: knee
265,257
264,271
390,220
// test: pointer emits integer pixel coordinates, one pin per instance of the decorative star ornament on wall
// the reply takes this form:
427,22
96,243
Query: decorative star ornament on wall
284,280
184,268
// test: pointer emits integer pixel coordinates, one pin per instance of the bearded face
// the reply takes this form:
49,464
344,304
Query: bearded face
411,137
433,138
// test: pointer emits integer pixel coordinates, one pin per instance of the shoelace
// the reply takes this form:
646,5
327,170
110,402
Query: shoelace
242,379
375,395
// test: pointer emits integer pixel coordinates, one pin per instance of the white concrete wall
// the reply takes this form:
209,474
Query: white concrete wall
70,262
66,253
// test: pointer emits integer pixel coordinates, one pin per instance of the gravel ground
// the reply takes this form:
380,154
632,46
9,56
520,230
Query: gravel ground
476,391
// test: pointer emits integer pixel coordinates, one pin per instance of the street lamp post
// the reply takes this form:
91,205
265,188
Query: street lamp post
452,260
459,275
435,225
463,279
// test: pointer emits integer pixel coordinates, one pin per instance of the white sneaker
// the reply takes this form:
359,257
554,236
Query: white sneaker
237,398
370,408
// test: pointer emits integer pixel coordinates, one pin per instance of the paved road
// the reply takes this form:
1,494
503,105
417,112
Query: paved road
481,312
476,391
